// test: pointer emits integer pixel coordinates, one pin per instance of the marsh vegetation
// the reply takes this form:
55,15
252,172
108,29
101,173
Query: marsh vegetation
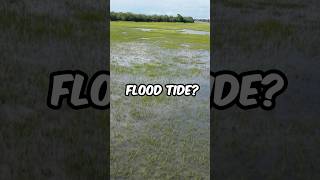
37,38
269,34
159,137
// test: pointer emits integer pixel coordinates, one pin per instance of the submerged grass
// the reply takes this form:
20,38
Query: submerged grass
158,137
278,34
34,45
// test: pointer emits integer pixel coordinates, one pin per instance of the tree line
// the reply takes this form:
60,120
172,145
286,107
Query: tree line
121,16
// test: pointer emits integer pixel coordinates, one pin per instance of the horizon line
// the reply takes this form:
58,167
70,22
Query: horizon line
157,14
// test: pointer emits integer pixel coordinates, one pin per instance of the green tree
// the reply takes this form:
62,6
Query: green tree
180,18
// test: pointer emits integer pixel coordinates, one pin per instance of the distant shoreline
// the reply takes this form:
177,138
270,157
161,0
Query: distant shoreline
127,16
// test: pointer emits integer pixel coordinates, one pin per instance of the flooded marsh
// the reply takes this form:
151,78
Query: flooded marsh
159,137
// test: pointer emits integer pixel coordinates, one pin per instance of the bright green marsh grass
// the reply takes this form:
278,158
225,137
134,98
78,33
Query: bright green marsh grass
163,34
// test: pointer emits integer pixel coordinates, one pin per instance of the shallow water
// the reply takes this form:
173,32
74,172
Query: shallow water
190,31
145,29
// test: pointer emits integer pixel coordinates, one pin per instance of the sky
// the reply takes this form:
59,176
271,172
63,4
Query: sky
194,8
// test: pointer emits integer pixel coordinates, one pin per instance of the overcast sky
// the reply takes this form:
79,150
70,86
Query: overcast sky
194,8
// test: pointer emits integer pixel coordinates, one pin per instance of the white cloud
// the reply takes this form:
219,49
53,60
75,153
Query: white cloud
194,8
